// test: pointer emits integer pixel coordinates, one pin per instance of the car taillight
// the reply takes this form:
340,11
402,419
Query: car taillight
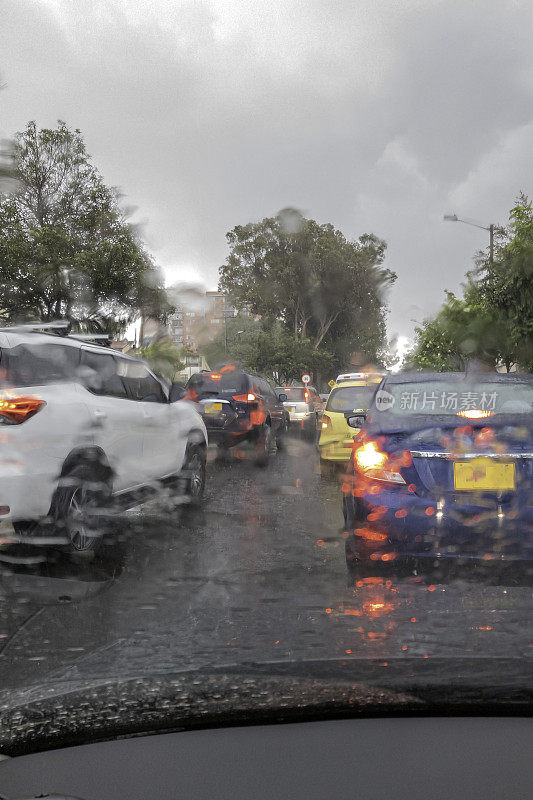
326,421
15,410
373,463
245,398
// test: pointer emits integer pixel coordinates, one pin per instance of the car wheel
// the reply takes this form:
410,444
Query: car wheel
308,431
352,511
328,469
354,564
194,474
76,507
313,428
264,445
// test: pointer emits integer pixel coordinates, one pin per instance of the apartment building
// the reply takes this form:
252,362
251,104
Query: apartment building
190,326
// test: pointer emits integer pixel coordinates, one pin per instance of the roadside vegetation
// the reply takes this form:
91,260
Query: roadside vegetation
493,321
315,300
67,249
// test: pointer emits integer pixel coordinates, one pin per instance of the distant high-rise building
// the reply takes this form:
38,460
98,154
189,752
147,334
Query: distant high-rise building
191,326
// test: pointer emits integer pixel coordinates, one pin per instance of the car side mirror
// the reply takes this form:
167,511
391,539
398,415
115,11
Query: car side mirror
177,392
282,397
357,421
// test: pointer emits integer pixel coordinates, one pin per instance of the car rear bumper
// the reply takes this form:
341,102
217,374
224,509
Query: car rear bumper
231,435
336,450
28,495
406,525
301,416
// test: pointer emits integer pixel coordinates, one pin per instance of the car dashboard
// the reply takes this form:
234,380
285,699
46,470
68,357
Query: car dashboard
398,757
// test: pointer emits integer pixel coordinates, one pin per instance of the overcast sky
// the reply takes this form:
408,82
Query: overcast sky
376,115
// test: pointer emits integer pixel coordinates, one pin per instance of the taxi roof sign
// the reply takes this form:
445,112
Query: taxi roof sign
360,376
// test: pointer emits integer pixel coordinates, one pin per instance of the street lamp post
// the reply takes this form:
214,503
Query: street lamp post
225,328
489,228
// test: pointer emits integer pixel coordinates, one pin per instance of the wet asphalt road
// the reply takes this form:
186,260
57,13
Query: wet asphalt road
258,575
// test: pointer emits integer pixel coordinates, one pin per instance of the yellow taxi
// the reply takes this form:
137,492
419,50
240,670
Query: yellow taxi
352,392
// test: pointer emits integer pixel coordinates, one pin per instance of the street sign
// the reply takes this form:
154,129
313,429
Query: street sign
331,384
306,378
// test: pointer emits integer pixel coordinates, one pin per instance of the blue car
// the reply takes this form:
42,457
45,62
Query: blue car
442,468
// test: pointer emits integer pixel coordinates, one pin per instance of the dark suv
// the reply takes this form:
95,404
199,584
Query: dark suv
238,407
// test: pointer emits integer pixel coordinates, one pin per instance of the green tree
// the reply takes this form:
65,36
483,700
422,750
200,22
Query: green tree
66,248
310,277
267,349
237,344
463,331
163,357
434,349
506,285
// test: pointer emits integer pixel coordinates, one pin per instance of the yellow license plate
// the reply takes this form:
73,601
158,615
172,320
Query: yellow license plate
212,408
483,475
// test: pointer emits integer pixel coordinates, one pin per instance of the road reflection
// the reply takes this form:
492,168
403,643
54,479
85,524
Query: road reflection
48,576
396,616
258,575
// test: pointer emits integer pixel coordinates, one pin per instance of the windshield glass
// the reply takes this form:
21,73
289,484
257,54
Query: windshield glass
294,393
32,365
205,206
453,398
226,383
350,398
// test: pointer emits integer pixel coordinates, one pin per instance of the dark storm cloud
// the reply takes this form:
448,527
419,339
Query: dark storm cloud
375,116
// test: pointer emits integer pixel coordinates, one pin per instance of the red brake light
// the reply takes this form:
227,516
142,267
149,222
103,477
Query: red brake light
215,376
16,410
373,463
245,398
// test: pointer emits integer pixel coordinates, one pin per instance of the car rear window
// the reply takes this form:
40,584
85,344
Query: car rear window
441,397
230,383
39,364
294,393
350,398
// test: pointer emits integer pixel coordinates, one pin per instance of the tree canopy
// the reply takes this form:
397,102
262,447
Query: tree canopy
66,248
163,357
324,291
267,349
